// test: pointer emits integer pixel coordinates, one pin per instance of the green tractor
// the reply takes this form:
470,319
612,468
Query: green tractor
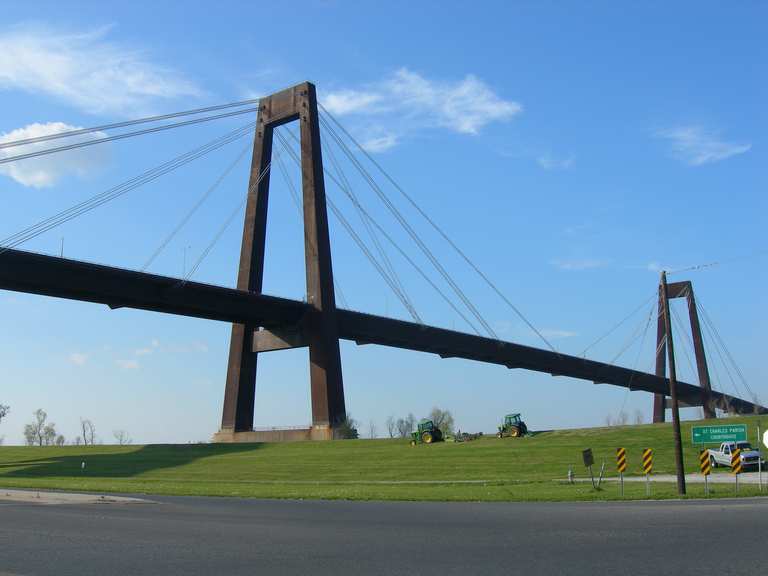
426,433
513,426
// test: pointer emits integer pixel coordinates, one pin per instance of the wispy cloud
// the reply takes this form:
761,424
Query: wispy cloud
549,162
147,350
46,171
580,264
696,145
127,364
86,70
407,100
555,334
78,358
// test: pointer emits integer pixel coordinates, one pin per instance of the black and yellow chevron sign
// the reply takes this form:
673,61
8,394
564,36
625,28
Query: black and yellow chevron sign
704,463
621,459
647,461
736,461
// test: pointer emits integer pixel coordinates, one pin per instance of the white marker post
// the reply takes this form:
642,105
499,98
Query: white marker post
759,463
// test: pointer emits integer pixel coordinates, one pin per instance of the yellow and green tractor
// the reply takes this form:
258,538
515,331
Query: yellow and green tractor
513,427
426,433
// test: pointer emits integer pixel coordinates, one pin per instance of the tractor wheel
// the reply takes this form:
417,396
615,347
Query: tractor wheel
514,431
426,437
499,435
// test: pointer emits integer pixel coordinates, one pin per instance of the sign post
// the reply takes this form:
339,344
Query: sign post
736,465
647,469
706,469
718,434
621,466
759,463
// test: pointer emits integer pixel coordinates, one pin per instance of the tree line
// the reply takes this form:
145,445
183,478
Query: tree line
42,432
402,427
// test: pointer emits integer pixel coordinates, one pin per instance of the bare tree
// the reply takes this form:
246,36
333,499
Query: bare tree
60,440
89,431
639,419
34,432
122,437
4,409
405,426
391,426
371,429
608,420
443,419
49,434
621,419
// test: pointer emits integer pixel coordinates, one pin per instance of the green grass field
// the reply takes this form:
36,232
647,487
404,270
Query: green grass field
532,468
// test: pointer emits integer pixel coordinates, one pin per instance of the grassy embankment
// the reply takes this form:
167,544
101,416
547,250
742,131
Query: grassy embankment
488,469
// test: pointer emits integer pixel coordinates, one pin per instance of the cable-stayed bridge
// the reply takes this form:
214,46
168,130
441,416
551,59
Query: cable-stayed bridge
263,323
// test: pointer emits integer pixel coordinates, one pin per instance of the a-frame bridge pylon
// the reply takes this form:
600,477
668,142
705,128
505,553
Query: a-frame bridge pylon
320,329
682,290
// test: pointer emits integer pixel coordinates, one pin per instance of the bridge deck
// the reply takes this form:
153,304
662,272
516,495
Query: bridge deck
119,288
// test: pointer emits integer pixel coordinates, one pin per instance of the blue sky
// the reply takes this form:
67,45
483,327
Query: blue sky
572,152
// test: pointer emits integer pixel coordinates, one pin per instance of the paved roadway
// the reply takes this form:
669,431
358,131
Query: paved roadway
191,536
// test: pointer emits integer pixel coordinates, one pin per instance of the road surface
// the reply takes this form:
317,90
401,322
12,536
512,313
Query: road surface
191,536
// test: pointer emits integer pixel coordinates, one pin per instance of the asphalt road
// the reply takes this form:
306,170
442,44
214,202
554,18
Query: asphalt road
208,536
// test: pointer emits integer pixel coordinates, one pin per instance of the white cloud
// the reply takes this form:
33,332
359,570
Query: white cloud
143,351
87,71
127,364
696,145
583,264
409,101
350,101
555,334
78,358
46,171
380,143
549,162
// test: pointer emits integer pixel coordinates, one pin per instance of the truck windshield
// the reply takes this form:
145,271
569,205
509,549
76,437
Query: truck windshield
744,446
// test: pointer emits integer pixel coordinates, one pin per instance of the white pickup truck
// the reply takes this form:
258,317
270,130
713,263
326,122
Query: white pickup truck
722,456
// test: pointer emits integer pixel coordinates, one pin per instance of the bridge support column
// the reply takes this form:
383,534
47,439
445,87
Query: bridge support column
683,290
319,330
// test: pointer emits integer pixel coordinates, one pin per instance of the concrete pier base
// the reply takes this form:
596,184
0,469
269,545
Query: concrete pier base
275,435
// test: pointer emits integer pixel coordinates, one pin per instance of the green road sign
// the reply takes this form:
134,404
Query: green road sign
718,434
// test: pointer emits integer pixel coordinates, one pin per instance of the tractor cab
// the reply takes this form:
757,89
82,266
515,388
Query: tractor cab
512,420
426,432
513,426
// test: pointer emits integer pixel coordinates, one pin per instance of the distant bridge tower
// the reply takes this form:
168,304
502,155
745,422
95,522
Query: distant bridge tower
682,290
319,331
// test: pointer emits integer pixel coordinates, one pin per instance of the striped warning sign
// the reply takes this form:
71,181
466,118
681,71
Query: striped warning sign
621,459
736,461
704,463
647,461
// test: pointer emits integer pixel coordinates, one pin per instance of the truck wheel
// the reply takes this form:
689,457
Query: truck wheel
713,462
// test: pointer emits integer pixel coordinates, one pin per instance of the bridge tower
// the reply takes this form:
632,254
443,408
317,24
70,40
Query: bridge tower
660,403
319,330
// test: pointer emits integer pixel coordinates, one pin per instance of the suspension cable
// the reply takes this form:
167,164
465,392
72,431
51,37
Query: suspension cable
360,243
103,127
719,338
440,231
411,232
122,136
371,233
617,325
183,222
404,254
121,189
297,202
227,222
